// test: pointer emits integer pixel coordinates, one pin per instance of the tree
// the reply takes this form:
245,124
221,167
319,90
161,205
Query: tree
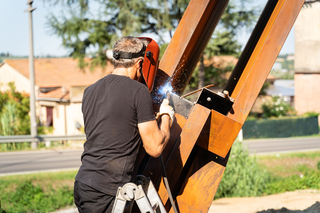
14,113
14,109
83,31
239,15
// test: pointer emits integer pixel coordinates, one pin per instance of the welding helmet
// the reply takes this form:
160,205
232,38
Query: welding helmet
150,54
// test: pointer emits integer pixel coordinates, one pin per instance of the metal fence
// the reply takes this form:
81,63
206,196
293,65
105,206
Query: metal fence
40,138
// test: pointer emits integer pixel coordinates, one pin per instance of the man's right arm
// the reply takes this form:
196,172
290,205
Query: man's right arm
154,137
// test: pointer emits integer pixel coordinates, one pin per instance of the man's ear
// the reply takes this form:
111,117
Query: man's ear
139,63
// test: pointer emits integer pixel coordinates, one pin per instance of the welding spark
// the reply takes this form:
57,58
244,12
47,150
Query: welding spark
165,88
161,92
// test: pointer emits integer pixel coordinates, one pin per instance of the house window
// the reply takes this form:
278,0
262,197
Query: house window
49,113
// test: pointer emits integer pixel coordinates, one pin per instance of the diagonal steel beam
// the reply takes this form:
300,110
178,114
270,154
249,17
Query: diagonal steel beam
260,54
188,42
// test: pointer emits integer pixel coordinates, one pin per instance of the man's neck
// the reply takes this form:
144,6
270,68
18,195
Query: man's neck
124,72
121,71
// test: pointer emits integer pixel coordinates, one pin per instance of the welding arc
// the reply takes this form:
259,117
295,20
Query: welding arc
198,90
166,183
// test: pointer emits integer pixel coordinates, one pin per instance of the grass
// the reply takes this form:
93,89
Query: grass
291,171
308,180
269,174
42,192
288,164
307,136
245,175
26,146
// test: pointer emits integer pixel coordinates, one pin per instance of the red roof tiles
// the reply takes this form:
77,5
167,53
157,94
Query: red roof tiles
56,72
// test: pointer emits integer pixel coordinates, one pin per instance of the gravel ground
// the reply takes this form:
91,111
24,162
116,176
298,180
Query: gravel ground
301,201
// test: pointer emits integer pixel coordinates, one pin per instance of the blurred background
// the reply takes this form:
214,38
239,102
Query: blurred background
72,43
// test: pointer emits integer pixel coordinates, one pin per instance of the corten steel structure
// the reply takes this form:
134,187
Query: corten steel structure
203,133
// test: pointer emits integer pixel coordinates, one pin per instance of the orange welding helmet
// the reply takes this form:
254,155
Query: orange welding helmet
150,61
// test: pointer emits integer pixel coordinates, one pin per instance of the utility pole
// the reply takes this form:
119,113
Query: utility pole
33,120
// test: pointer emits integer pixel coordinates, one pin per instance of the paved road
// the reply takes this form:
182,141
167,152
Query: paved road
261,146
33,161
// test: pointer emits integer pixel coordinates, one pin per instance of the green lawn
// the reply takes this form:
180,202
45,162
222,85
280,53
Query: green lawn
42,192
245,175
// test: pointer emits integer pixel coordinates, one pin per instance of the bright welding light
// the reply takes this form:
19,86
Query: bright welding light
161,92
165,88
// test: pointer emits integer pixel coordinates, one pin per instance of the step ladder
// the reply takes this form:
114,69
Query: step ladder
143,193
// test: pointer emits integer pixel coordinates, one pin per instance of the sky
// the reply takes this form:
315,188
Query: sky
14,36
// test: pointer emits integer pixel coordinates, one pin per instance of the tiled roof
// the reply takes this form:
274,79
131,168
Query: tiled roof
58,94
55,72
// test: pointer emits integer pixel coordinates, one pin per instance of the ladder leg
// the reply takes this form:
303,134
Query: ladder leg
119,203
144,204
151,193
144,194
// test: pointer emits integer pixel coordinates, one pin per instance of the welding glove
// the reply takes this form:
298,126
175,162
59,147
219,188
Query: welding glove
165,108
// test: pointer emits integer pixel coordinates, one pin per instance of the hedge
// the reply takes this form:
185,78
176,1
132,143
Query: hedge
280,127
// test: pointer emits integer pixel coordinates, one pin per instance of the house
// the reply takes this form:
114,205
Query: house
59,86
307,59
283,88
257,106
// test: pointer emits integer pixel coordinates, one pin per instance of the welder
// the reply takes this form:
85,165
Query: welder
119,117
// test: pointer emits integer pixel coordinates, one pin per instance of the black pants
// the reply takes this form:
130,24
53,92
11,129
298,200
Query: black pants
88,199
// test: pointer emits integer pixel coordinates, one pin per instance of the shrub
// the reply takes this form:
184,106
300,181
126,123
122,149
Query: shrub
28,197
15,119
277,107
311,114
14,113
243,176
280,127
14,109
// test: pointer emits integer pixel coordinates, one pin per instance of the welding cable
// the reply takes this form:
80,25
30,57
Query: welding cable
166,183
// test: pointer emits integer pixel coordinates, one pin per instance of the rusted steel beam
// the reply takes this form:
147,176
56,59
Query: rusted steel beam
188,42
198,150
151,167
262,56
201,182
219,135
184,146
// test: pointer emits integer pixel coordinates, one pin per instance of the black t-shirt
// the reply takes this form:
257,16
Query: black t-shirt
112,108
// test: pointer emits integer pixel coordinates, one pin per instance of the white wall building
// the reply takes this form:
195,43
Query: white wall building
307,59
59,89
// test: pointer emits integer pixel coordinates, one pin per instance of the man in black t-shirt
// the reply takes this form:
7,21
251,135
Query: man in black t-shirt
118,115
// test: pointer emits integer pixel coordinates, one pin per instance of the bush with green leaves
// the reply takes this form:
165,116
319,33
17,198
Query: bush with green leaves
311,114
243,177
41,192
14,118
29,197
14,112
277,107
